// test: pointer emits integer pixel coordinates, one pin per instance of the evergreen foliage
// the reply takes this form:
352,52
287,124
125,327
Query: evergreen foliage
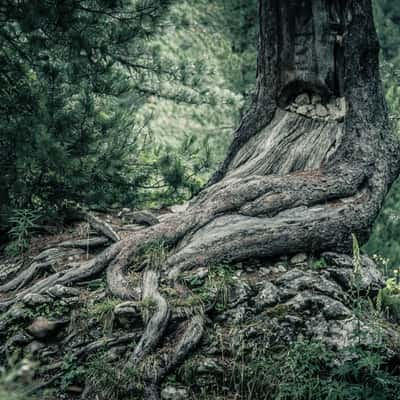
384,239
69,78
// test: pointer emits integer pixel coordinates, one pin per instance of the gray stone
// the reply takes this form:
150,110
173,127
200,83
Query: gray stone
127,309
299,258
295,280
370,278
34,347
35,299
316,99
127,313
239,293
142,218
209,365
59,291
17,312
321,111
20,338
172,393
267,296
302,99
305,110
42,327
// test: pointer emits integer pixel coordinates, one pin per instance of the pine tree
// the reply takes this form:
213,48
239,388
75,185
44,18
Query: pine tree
70,76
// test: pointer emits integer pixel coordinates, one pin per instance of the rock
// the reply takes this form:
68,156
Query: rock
60,291
299,258
239,293
20,338
41,327
123,212
116,352
305,110
142,218
296,280
34,347
302,99
370,278
333,109
69,301
172,393
314,303
17,312
267,296
321,111
127,313
341,104
316,99
35,299
209,365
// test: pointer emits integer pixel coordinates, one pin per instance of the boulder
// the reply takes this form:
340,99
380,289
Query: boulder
173,393
42,327
302,99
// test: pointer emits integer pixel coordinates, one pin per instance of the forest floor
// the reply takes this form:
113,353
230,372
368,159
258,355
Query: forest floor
72,342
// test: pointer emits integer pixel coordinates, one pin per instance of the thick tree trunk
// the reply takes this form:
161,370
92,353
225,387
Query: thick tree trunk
309,166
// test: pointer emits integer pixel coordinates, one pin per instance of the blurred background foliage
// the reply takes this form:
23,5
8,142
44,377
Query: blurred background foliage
385,239
132,103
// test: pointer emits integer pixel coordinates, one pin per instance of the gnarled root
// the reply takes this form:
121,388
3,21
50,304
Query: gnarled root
157,323
233,220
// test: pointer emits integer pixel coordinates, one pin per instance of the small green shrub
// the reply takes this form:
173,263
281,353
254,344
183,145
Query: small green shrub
216,287
112,381
103,311
14,382
23,223
389,300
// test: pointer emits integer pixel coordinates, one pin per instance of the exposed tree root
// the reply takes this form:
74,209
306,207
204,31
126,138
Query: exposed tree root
156,324
100,226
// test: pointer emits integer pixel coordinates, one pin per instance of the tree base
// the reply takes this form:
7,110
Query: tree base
195,324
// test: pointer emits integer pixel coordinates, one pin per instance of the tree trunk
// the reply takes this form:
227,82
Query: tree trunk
309,166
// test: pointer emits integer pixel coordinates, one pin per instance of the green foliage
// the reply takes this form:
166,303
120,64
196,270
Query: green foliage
389,300
216,287
16,381
154,255
113,381
383,240
103,311
69,87
57,309
23,223
319,264
302,371
72,372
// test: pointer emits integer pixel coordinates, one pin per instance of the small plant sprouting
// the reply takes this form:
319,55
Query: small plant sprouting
319,264
104,312
23,222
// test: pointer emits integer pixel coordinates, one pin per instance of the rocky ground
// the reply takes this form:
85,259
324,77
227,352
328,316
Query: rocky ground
73,342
